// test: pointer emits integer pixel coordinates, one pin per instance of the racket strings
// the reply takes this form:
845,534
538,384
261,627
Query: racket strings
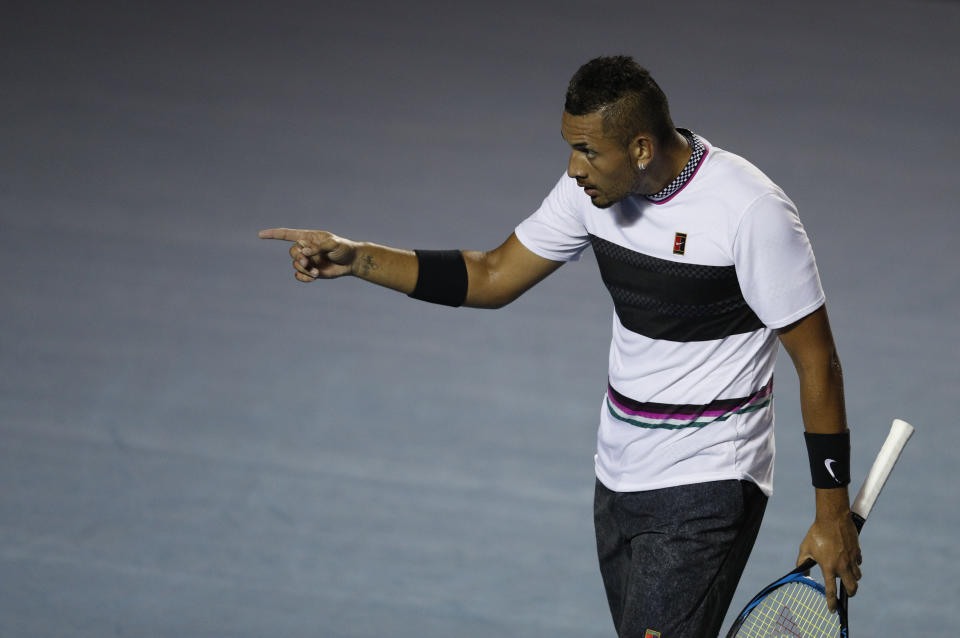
795,610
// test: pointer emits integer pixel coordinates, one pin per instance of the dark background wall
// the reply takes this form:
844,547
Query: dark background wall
194,444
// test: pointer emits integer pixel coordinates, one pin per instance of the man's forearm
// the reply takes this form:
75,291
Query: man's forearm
399,270
824,412
811,347
821,395
385,266
494,278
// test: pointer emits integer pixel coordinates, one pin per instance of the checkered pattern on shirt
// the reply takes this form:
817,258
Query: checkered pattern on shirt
687,171
634,299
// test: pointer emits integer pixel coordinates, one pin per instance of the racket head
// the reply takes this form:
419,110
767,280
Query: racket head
792,606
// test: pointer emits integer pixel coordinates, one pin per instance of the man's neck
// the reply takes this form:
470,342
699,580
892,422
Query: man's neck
677,153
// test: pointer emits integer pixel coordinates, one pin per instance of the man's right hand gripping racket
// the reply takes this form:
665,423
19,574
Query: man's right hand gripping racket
795,605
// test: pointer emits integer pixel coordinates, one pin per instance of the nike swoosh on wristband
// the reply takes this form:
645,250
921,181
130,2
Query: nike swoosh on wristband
827,462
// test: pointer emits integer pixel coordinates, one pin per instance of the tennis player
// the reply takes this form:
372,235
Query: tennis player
709,269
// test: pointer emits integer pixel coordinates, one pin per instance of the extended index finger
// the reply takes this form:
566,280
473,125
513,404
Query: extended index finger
286,234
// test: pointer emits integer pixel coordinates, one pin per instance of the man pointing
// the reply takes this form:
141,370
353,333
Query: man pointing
709,270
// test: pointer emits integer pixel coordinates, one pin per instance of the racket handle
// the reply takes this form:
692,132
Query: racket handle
842,611
899,434
858,521
805,567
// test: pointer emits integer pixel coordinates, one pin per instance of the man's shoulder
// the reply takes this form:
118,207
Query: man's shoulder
727,187
735,176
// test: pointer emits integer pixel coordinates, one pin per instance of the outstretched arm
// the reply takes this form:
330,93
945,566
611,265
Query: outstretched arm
495,278
832,540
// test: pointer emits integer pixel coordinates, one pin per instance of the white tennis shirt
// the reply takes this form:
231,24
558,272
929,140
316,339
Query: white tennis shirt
700,281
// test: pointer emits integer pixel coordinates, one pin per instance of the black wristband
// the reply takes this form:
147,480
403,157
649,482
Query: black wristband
829,459
442,277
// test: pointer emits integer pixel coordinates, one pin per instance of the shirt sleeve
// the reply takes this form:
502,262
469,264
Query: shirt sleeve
556,230
775,263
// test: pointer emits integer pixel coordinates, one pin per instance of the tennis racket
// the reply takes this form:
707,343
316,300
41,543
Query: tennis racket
795,606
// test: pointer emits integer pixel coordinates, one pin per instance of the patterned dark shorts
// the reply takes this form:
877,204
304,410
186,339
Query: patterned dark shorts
671,558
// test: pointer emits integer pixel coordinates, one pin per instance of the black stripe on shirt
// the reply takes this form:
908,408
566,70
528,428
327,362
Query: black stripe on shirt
675,301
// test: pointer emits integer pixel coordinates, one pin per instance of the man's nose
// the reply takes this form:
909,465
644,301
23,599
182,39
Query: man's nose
575,167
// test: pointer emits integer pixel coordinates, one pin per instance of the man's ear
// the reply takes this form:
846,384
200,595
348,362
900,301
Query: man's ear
641,149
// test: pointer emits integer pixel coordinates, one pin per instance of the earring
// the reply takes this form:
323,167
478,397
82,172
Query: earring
640,164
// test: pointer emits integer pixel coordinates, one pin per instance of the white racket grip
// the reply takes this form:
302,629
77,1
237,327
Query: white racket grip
899,434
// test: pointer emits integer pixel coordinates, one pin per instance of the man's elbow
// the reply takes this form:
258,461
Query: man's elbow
836,369
488,287
490,299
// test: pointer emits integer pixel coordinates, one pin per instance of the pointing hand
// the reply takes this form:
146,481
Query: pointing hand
316,254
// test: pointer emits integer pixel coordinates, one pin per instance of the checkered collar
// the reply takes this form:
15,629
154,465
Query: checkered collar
692,164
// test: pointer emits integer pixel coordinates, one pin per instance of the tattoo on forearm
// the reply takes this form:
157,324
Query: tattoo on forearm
367,264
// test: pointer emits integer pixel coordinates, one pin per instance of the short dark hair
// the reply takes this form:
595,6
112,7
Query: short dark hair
631,100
